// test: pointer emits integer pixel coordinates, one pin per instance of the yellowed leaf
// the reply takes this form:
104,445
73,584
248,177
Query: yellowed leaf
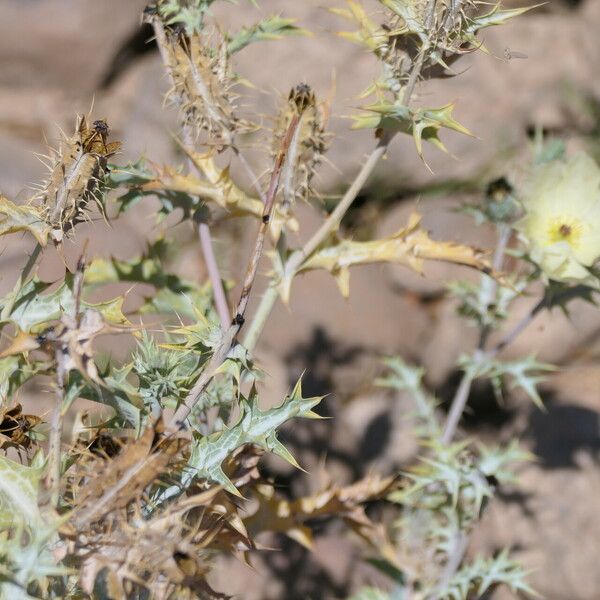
216,186
113,484
369,34
15,218
22,342
410,246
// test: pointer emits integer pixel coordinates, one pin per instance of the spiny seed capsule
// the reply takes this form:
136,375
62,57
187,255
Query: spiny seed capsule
77,176
202,85
306,148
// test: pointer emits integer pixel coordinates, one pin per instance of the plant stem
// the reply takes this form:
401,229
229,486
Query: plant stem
488,292
206,244
267,212
162,42
457,407
452,14
208,253
334,219
229,336
250,172
61,350
56,427
214,275
460,542
462,393
519,327
414,75
430,14
489,285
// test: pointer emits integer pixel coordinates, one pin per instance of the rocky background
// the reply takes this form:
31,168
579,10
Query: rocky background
60,56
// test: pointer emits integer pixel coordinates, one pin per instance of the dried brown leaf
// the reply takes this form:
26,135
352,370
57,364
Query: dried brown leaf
113,484
163,553
289,517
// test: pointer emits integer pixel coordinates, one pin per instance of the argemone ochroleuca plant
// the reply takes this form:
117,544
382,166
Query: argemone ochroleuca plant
135,500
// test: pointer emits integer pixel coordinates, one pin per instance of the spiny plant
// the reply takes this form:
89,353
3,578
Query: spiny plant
141,496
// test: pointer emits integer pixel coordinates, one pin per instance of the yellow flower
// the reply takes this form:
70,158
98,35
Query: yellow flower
561,226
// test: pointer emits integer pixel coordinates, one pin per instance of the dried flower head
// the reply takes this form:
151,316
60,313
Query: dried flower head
202,83
308,146
561,226
77,176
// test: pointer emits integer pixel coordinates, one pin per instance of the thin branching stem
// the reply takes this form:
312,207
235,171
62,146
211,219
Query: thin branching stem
415,73
462,393
56,422
55,436
430,14
489,287
510,337
452,15
458,548
210,260
267,212
335,218
454,415
461,396
214,275
229,336
260,317
457,407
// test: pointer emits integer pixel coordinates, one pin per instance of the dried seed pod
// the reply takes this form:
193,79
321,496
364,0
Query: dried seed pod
77,176
307,147
202,83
